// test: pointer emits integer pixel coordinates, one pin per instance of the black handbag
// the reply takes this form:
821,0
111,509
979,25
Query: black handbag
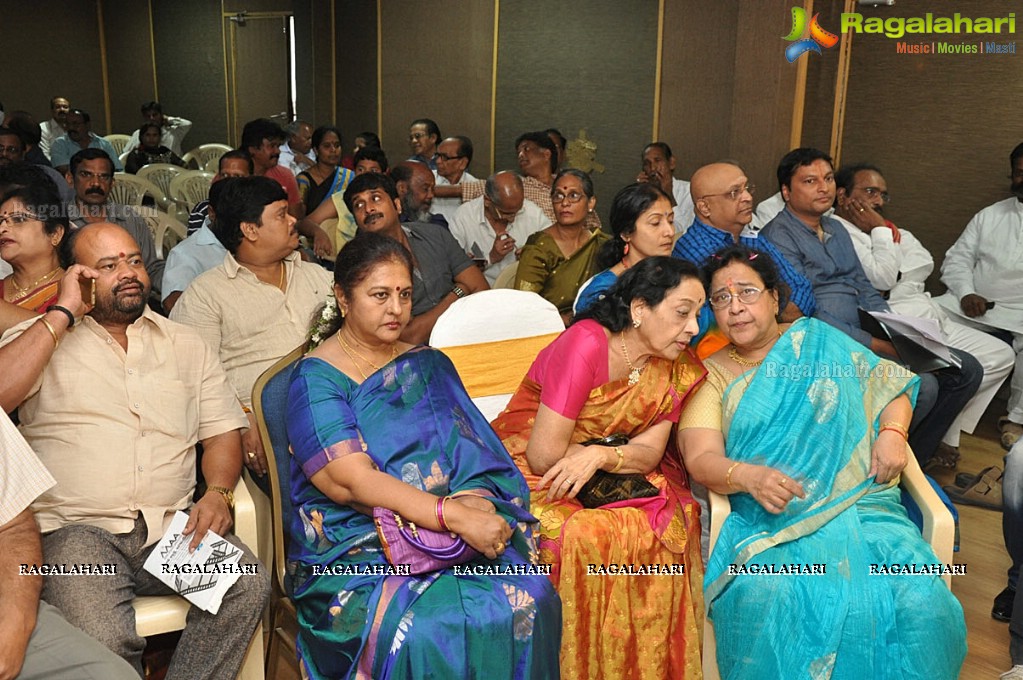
604,488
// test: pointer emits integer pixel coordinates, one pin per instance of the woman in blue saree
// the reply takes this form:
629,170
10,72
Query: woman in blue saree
815,426
375,422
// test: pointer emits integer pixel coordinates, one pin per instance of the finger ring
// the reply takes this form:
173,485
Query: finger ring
252,455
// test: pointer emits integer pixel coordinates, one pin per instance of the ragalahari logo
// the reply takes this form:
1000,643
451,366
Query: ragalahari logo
819,37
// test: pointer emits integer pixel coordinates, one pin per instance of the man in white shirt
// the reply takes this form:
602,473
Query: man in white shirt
895,261
453,157
172,129
297,152
984,274
658,169
55,127
493,226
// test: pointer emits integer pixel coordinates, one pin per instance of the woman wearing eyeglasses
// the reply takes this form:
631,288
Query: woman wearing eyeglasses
32,226
557,260
642,225
806,431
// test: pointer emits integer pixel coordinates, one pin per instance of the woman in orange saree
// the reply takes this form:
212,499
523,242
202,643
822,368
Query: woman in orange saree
629,572
32,226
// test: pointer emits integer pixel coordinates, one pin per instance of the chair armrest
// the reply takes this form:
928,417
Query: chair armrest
246,524
720,507
939,526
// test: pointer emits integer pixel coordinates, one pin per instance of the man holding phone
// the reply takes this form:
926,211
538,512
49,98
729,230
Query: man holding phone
114,411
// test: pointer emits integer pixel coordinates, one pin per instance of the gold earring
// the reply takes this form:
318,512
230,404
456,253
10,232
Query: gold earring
636,323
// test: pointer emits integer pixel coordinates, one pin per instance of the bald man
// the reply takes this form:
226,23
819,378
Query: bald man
493,228
723,203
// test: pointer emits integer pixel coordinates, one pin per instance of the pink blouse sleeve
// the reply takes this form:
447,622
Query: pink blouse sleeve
571,367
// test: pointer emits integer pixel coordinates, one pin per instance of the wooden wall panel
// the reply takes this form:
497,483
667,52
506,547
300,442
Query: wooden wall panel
356,68
437,64
129,62
697,80
763,95
36,70
940,126
190,67
579,65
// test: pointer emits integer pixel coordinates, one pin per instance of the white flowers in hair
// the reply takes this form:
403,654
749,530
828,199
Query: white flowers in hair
322,328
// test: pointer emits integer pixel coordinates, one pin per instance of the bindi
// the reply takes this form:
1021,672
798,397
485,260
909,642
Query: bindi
121,256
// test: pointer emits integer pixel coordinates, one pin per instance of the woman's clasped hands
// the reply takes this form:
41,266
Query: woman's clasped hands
477,522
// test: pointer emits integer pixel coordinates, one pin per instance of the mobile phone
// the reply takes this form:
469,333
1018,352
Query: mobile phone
88,291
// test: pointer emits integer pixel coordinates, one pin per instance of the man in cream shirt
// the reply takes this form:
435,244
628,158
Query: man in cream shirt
258,305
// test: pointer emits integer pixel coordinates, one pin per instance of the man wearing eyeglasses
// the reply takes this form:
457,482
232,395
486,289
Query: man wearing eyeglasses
898,264
80,136
984,274
423,138
91,175
453,157
723,212
491,227
820,248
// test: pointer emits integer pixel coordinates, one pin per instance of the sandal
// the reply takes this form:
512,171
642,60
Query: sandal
945,458
985,492
964,479
1011,432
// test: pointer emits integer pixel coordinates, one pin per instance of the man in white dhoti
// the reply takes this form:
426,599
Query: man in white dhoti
897,263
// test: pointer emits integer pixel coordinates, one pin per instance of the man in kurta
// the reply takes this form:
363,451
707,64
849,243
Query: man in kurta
984,274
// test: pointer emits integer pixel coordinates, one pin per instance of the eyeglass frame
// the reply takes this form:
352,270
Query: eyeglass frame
23,217
559,197
738,296
734,194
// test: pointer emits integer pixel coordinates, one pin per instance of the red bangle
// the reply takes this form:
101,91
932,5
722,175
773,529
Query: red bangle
440,513
902,433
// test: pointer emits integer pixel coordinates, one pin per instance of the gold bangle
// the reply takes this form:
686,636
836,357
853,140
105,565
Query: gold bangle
728,475
894,425
621,459
53,333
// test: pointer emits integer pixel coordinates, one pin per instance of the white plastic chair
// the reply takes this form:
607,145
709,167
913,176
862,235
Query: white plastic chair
468,329
161,175
130,190
203,153
118,142
167,231
159,614
939,531
188,188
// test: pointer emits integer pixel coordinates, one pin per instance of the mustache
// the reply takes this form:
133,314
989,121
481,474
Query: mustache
128,283
95,190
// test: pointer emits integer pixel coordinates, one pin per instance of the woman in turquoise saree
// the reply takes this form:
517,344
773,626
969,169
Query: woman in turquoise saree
374,422
800,582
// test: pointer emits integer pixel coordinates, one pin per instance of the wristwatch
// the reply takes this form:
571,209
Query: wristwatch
228,494
458,292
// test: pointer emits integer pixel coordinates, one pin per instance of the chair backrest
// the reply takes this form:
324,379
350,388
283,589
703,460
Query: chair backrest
189,187
167,231
270,406
161,175
506,279
204,153
492,338
129,189
118,142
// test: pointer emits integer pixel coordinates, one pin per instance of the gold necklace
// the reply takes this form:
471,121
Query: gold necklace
633,370
734,355
19,290
352,353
